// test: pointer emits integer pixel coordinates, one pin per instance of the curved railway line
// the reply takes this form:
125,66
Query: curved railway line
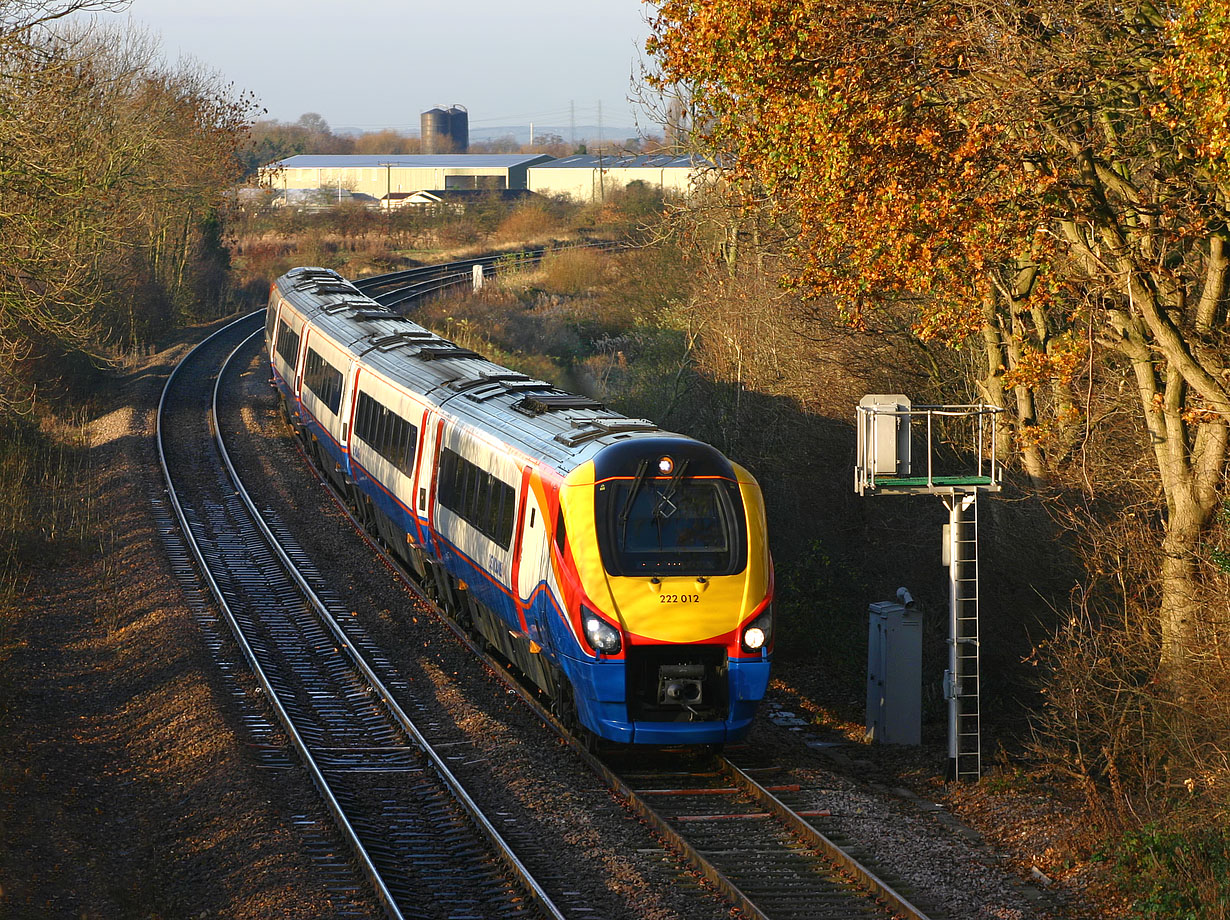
763,845
411,825
399,289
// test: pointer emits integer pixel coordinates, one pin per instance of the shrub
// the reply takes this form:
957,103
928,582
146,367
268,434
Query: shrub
1176,876
571,271
527,221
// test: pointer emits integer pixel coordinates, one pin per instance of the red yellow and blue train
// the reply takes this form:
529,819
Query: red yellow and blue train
622,568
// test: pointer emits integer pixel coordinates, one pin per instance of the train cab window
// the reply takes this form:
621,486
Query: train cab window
288,344
386,432
323,379
479,498
561,532
658,527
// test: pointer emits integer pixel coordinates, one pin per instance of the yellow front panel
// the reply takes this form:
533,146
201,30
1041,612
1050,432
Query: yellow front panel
680,609
676,609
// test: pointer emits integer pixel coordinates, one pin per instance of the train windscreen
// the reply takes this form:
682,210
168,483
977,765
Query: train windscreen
657,526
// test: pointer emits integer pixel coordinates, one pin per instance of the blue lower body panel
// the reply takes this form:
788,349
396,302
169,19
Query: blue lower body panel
389,504
601,700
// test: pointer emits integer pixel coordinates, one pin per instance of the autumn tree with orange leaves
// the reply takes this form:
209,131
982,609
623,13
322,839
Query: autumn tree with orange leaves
1046,179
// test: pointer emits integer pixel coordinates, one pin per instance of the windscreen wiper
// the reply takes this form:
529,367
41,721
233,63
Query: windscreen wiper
632,493
664,498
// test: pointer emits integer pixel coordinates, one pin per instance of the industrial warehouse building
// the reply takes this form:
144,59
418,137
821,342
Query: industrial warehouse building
585,177
389,179
382,176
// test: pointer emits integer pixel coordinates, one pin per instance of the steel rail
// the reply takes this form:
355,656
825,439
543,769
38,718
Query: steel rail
876,888
383,895
406,274
502,848
802,829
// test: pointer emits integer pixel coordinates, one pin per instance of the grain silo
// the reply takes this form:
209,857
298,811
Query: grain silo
459,128
436,134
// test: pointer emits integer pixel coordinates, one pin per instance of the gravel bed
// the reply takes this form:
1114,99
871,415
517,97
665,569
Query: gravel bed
943,860
131,785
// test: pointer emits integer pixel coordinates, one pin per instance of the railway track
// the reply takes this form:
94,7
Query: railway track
423,845
763,841
768,858
771,860
399,289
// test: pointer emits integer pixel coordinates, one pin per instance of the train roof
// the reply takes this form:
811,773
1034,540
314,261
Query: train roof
561,428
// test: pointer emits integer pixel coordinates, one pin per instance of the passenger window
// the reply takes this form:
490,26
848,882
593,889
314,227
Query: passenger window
485,502
387,433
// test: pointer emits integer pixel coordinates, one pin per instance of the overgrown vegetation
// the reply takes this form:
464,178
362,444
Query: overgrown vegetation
1176,875
48,513
115,169
1029,205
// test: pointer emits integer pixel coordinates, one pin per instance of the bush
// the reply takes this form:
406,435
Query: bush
571,271
528,221
1176,876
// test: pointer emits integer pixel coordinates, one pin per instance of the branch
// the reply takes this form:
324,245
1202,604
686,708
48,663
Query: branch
1215,279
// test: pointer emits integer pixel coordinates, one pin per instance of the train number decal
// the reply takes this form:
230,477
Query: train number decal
678,598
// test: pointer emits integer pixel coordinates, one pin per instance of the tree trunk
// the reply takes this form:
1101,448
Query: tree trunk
1180,605
1191,459
1003,351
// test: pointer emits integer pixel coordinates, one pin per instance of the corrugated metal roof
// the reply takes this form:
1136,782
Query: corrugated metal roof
644,161
421,161
467,387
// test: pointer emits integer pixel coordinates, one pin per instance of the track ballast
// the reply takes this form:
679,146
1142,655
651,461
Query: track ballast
410,830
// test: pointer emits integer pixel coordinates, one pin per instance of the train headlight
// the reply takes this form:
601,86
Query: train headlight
601,635
759,633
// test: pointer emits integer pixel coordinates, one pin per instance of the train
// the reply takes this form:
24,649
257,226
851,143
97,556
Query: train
624,570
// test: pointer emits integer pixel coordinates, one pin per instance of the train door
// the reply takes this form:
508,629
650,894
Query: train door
533,562
298,387
271,320
346,414
424,482
289,331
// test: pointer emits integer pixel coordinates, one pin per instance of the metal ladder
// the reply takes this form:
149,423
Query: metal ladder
963,679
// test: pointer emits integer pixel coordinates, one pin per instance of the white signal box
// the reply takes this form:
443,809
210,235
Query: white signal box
884,434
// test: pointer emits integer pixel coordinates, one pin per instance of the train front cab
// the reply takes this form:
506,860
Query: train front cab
669,575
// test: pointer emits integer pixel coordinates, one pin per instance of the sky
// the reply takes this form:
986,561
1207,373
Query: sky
365,65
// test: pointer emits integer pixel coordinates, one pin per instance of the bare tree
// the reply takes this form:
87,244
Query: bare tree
113,165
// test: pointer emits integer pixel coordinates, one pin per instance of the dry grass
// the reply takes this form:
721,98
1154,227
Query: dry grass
573,271
50,506
526,222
